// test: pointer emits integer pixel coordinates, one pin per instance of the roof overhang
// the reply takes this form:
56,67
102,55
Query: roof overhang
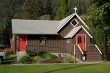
64,22
36,33
75,30
68,19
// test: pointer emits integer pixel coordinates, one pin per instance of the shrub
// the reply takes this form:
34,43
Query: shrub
31,52
59,55
8,51
41,53
36,58
25,59
36,53
7,61
49,56
68,59
12,56
10,59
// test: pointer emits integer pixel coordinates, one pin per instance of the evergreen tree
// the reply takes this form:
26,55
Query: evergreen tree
62,10
82,6
8,11
98,19
55,5
32,9
66,7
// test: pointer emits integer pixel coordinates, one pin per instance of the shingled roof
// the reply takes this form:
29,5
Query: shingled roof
21,26
75,30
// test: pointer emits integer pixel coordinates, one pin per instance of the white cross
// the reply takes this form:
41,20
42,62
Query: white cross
75,9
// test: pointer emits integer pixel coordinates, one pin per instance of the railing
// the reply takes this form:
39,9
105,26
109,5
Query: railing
98,49
78,52
80,49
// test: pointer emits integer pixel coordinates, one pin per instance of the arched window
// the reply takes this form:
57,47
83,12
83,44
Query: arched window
79,39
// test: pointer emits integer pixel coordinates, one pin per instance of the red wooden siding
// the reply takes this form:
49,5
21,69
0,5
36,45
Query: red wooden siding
22,43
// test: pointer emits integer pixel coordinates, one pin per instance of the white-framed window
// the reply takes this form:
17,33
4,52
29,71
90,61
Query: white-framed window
68,40
42,40
74,22
79,39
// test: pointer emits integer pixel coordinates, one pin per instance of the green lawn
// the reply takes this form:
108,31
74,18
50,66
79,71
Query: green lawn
56,68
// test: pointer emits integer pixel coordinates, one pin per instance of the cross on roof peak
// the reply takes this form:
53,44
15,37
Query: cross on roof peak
75,9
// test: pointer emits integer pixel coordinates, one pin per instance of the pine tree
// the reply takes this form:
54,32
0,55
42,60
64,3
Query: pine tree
32,9
62,10
98,18
9,9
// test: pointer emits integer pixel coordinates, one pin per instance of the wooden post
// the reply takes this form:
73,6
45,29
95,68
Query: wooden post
74,54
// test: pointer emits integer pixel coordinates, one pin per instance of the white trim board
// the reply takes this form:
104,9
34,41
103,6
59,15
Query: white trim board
82,20
65,22
69,35
87,32
75,24
70,19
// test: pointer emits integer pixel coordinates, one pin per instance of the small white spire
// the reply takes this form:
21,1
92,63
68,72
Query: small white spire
75,9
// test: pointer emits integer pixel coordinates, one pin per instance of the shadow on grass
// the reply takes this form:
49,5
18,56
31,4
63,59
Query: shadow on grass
69,68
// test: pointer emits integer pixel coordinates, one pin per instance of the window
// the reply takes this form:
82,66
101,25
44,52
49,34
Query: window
68,40
42,40
74,22
79,39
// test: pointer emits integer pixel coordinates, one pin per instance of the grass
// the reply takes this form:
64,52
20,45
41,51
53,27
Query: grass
56,68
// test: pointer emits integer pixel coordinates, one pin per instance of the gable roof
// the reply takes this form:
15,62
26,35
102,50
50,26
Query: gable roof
75,30
20,26
65,20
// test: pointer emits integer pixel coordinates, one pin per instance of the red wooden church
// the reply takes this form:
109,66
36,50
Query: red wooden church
70,35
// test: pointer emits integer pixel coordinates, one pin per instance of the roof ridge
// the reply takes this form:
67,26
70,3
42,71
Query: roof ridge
34,20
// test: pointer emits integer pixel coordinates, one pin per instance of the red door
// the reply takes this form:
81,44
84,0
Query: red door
81,41
22,43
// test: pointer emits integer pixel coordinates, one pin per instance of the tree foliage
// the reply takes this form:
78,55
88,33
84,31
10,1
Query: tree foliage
7,10
66,7
98,19
34,9
62,10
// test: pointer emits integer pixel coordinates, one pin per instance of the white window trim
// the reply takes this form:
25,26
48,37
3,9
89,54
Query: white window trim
76,23
68,40
43,41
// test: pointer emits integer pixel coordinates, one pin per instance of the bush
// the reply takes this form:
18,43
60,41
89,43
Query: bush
7,61
36,58
31,52
41,53
49,56
10,59
68,59
12,56
8,51
25,59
